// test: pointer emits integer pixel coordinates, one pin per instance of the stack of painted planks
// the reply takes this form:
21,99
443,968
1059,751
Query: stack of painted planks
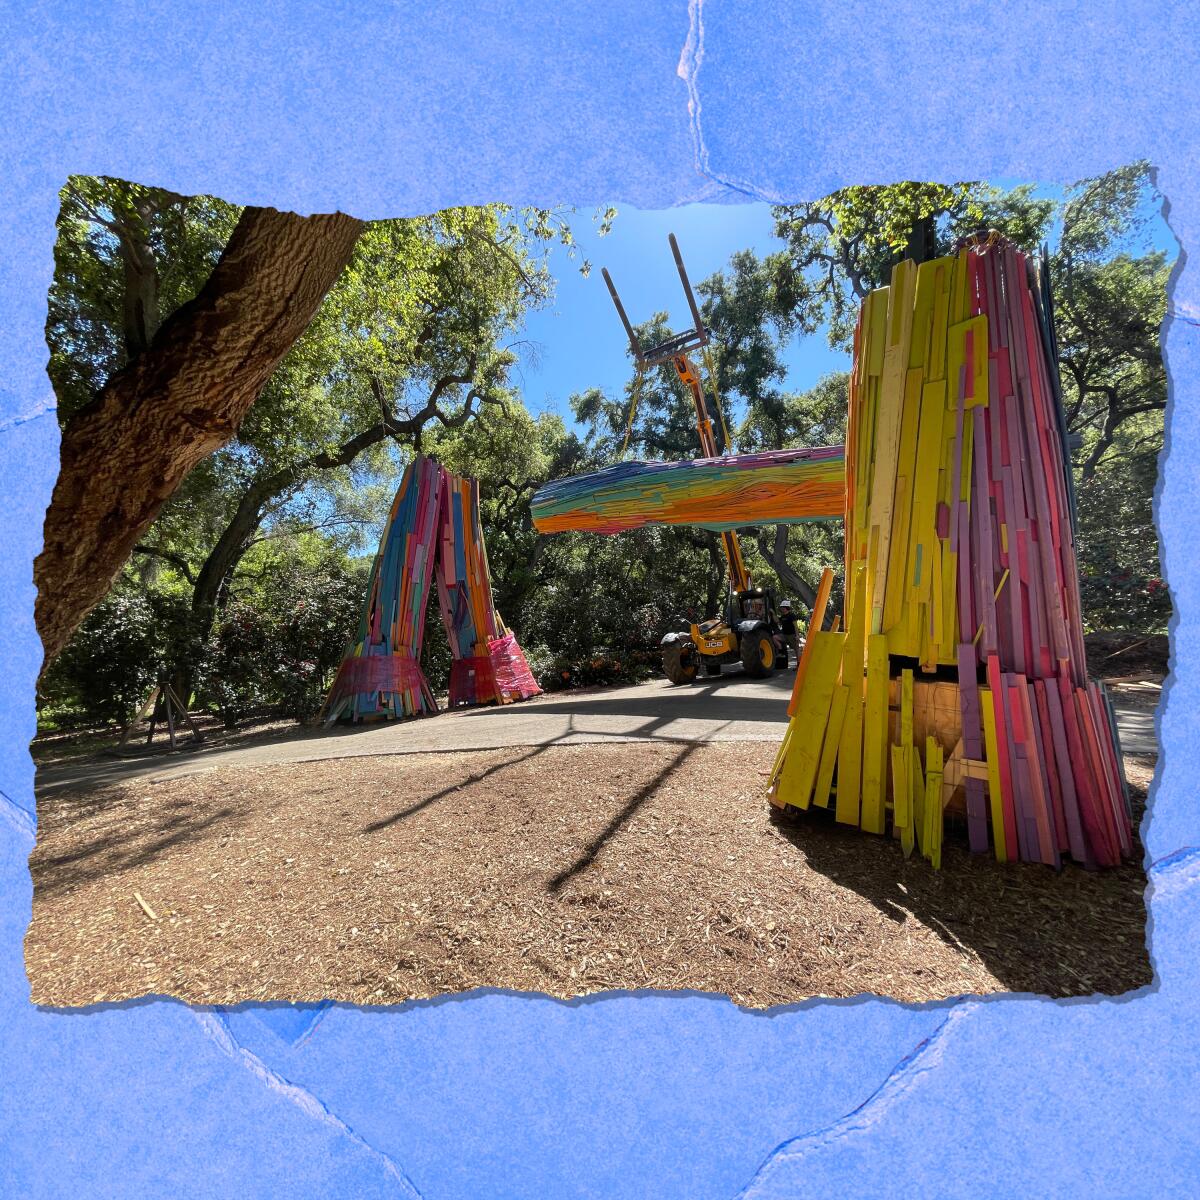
381,674
488,665
780,486
433,524
960,566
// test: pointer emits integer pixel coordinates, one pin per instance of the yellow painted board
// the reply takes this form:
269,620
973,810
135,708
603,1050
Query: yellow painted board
814,625
922,322
935,361
917,793
932,847
902,813
947,638
875,735
799,771
876,323
900,307
975,329
849,765
992,752
855,659
779,757
977,326
896,588
901,783
936,619
883,489
960,287
829,748
925,481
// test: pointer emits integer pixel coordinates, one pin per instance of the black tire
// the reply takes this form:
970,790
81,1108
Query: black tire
679,663
711,667
759,656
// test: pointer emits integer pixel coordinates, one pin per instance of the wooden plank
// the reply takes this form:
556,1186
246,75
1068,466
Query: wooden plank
902,796
1066,777
875,735
814,625
933,803
799,772
896,584
1043,814
829,747
849,765
987,712
902,811
1052,771
968,698
1003,757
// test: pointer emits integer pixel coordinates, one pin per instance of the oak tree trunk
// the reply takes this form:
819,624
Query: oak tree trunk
182,398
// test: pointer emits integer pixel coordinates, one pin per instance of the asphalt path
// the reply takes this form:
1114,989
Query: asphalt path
731,707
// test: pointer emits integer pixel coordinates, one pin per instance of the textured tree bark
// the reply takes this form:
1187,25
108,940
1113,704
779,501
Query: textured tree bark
182,398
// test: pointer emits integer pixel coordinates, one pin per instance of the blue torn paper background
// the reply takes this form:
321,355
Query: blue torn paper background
387,110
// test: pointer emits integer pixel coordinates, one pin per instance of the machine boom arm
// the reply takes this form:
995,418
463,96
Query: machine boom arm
675,349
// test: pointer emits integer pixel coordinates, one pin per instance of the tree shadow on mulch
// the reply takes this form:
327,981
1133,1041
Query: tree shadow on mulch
1067,933
138,838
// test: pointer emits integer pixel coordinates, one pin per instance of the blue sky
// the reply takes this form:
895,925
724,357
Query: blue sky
579,340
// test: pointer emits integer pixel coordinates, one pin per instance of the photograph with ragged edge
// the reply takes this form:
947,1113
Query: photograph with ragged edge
790,524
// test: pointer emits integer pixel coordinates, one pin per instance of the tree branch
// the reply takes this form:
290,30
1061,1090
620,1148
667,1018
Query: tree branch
176,560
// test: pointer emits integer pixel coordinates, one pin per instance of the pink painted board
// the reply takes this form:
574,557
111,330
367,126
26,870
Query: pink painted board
968,700
1112,768
1091,748
1027,833
1066,779
1049,760
1086,787
1043,795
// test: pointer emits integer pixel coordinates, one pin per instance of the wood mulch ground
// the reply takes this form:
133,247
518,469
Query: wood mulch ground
562,870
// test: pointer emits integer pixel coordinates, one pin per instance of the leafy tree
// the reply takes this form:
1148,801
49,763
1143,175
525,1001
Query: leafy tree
842,246
184,386
1111,296
411,336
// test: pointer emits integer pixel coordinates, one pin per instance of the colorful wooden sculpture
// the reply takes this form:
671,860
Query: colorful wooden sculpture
961,570
780,486
433,522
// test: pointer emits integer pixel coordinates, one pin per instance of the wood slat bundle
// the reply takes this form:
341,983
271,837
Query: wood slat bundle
961,574
489,667
433,525
780,486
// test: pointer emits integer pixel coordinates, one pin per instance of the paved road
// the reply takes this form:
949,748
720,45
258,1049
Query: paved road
731,707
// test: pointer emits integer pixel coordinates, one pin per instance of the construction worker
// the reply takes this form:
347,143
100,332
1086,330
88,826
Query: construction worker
787,626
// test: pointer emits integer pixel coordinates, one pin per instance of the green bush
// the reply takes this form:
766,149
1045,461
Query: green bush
122,648
277,651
